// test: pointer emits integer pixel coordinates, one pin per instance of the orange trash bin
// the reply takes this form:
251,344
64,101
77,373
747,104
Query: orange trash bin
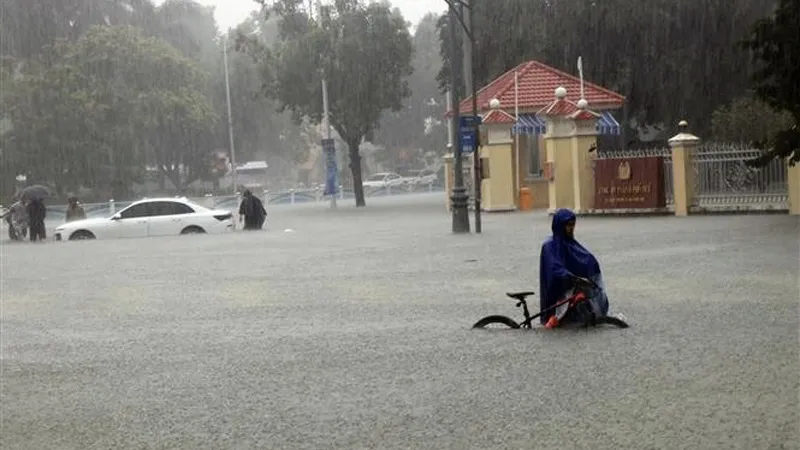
525,199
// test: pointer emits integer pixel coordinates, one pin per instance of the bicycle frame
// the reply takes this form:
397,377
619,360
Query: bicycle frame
577,296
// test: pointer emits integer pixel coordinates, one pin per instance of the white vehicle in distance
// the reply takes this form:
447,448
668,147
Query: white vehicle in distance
424,177
149,218
384,179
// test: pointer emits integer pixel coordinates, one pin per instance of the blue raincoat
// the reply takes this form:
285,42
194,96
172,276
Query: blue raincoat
560,257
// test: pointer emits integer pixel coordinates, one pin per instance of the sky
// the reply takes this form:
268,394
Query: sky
230,13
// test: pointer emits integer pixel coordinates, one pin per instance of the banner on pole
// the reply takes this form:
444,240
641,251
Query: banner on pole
329,150
469,137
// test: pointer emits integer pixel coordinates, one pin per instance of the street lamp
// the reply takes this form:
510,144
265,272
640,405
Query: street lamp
230,119
460,198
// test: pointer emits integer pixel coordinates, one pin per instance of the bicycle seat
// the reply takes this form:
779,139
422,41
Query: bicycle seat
519,295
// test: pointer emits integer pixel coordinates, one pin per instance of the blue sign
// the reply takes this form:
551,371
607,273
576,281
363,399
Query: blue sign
329,150
469,135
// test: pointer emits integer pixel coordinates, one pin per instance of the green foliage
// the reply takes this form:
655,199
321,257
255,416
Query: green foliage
98,110
673,60
775,46
92,107
419,124
749,120
363,51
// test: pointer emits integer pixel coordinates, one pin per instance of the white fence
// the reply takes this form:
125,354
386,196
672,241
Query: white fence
231,202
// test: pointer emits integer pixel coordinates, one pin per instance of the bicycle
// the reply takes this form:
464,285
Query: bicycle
576,300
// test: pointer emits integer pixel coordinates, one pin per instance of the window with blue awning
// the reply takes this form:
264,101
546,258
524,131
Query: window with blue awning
607,124
531,124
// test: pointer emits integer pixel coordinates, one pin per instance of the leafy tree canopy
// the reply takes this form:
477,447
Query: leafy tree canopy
364,53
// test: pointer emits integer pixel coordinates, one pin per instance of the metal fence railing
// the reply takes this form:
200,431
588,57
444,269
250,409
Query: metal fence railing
723,179
231,202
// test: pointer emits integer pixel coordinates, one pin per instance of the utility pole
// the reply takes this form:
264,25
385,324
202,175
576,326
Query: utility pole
230,119
469,83
327,124
459,198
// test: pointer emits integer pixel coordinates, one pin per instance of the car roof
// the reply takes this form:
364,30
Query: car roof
183,200
162,199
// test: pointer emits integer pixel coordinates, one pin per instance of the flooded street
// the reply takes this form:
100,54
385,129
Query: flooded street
354,332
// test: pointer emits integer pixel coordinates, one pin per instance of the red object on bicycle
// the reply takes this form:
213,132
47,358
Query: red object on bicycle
577,298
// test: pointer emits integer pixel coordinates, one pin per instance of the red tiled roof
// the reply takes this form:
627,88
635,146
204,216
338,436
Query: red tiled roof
537,85
584,114
498,117
567,108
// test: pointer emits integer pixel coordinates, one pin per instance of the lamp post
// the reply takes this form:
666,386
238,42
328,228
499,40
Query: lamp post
230,119
459,197
469,83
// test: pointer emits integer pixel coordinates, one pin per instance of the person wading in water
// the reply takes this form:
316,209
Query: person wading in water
252,211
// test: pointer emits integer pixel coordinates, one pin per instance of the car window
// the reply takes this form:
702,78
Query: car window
394,176
138,210
169,208
181,208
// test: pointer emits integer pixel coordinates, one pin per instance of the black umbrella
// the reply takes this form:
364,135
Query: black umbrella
31,192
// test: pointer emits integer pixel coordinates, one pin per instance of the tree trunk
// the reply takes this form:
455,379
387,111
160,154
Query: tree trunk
355,169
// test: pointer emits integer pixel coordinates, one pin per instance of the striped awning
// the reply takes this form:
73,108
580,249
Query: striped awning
529,124
607,124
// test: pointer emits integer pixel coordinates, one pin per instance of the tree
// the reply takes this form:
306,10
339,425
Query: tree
98,110
363,51
259,127
747,119
30,25
775,46
647,54
418,125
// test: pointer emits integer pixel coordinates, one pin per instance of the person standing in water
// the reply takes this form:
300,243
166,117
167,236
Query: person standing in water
74,210
252,211
36,215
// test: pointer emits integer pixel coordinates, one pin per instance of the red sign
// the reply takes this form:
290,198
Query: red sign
629,183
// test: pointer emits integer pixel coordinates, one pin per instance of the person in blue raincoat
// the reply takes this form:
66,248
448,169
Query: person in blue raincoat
563,258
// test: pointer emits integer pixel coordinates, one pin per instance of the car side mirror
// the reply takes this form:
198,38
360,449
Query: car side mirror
116,217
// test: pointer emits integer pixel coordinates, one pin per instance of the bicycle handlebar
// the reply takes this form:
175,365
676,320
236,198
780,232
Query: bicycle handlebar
584,281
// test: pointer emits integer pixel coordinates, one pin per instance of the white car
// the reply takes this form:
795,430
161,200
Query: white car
424,177
384,179
149,218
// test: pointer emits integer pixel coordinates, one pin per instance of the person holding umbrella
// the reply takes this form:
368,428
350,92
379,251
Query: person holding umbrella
33,199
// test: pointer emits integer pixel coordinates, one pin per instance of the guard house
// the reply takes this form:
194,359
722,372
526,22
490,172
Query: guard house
515,146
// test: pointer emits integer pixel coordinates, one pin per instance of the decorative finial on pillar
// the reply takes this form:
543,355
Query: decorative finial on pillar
494,103
582,103
561,92
683,125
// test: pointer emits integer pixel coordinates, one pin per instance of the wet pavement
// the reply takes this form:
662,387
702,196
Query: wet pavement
352,331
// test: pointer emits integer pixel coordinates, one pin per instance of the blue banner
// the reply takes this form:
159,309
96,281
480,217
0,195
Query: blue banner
469,137
329,150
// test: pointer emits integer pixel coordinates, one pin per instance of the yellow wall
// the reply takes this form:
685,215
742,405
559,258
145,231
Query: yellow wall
794,189
561,192
583,170
498,189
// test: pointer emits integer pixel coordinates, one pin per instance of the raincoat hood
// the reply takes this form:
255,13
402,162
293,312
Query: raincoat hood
560,220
